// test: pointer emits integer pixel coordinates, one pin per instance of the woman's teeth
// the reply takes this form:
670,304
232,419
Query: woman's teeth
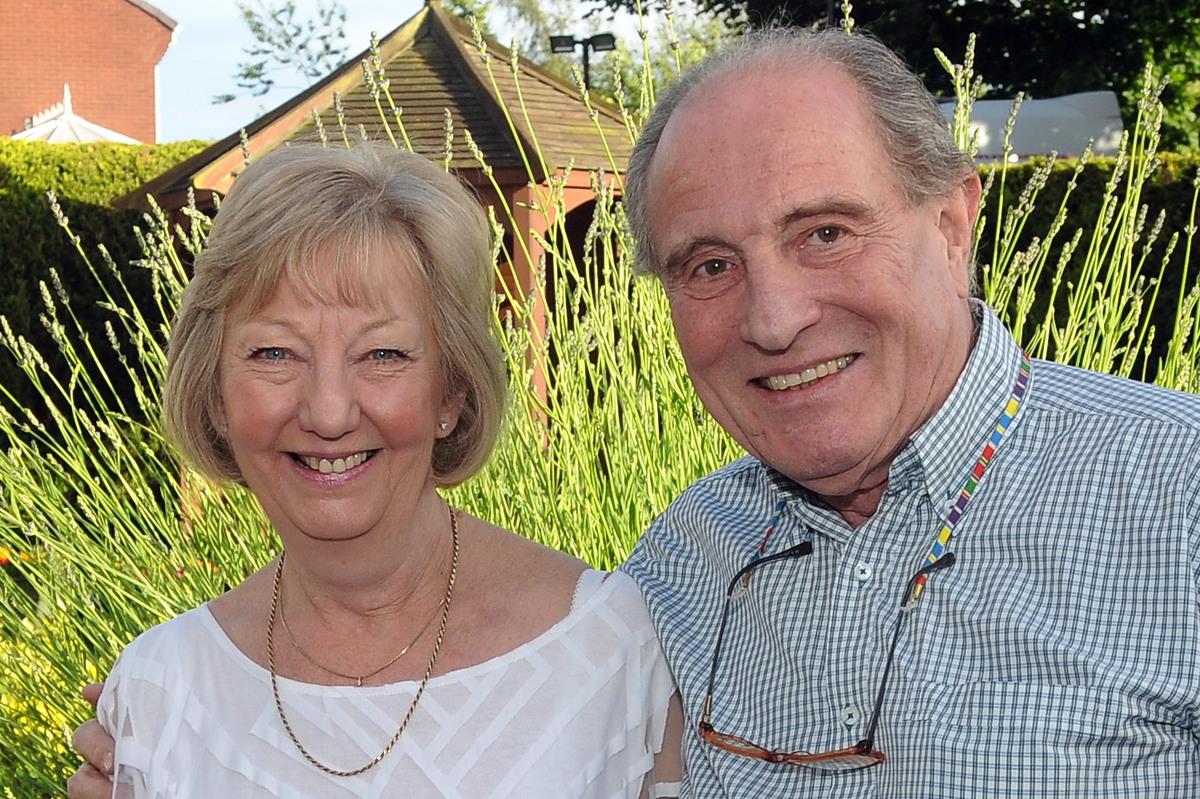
782,382
335,466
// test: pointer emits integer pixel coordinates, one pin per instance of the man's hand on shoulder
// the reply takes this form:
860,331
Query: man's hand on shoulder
93,779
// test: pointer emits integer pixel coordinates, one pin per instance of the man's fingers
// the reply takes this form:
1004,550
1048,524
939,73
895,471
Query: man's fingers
92,691
88,783
94,745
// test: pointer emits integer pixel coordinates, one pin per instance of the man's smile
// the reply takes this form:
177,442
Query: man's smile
804,377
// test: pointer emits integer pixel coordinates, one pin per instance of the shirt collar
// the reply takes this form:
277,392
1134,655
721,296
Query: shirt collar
950,443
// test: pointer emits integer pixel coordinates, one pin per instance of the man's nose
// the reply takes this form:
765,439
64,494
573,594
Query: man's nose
330,406
779,304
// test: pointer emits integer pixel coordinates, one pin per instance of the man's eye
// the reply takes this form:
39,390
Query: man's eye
827,234
714,267
270,354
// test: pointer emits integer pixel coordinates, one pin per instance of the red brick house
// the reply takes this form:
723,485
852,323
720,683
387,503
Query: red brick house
106,50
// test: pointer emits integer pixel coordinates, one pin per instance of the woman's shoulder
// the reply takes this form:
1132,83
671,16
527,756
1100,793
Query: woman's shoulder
501,568
602,591
181,651
162,664
518,595
173,637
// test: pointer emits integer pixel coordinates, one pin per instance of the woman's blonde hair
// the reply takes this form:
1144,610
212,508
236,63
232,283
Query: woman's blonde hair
305,213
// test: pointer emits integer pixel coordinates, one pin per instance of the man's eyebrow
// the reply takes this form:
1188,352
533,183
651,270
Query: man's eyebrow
680,255
836,204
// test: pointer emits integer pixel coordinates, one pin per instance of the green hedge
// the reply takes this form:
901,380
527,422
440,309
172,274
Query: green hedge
86,178
1169,189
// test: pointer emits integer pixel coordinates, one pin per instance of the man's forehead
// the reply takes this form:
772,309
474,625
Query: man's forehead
746,83
763,109
756,121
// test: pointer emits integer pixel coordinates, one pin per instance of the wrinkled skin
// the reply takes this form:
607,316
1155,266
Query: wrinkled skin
786,244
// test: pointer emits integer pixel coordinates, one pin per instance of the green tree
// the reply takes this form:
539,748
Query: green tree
472,9
1042,47
528,24
668,49
304,49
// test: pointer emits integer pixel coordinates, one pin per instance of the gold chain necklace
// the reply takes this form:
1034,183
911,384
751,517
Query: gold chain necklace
358,680
437,648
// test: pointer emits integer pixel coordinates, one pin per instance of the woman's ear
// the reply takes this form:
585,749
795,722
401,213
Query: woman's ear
449,413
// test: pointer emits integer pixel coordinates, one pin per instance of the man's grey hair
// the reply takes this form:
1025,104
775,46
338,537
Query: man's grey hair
913,130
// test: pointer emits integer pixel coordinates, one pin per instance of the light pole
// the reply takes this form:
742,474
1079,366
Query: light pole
601,42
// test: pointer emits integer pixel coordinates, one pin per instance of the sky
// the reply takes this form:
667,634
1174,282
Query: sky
207,47
209,42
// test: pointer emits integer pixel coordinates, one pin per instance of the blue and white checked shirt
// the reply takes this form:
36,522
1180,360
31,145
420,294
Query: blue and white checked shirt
1060,655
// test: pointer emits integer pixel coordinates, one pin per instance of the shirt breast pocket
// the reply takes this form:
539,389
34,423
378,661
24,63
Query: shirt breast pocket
1056,711
1084,734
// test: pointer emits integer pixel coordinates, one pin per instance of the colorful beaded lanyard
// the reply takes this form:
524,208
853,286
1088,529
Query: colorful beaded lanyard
1003,425
950,526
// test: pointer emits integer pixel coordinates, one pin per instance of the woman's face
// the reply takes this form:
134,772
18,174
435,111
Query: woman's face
333,410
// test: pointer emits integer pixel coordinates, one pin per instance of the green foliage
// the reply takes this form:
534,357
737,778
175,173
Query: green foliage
477,10
1122,36
1081,189
305,49
682,39
86,178
106,533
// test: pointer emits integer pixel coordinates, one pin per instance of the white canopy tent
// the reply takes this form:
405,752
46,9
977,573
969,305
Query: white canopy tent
1057,124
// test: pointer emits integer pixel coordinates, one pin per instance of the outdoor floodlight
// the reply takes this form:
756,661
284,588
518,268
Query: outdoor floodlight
603,42
600,42
562,44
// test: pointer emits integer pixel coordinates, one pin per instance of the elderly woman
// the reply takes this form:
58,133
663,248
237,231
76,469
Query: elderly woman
334,354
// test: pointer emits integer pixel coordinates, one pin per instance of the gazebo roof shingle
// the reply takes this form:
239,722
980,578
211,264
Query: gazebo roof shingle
433,65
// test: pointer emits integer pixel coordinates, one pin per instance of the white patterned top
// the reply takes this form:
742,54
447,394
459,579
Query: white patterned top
579,711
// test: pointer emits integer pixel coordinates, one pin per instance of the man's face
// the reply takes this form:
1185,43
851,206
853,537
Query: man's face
821,318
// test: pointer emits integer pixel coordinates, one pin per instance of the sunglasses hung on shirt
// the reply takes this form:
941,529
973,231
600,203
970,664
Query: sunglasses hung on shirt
861,754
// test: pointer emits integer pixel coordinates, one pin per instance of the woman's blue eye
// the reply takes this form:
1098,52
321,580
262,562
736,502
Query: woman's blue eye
387,355
270,353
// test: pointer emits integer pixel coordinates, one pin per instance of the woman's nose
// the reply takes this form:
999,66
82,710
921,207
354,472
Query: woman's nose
330,405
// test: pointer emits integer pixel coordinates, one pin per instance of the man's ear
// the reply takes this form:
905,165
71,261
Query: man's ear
959,209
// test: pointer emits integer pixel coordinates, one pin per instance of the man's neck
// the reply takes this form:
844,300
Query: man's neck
859,507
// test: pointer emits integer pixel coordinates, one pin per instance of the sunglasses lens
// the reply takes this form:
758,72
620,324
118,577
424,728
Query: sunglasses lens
731,743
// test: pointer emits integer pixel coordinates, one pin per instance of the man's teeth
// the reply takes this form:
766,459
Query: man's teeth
335,466
781,382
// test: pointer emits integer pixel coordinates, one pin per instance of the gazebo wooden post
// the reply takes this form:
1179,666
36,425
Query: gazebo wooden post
529,217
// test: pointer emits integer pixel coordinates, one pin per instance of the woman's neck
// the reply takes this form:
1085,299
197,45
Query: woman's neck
384,576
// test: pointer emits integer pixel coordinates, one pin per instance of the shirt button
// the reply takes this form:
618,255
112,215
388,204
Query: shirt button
850,716
863,572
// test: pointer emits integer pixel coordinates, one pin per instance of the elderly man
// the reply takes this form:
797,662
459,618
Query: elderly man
942,571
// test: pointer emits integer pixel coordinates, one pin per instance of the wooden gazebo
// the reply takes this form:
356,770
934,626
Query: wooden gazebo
433,66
